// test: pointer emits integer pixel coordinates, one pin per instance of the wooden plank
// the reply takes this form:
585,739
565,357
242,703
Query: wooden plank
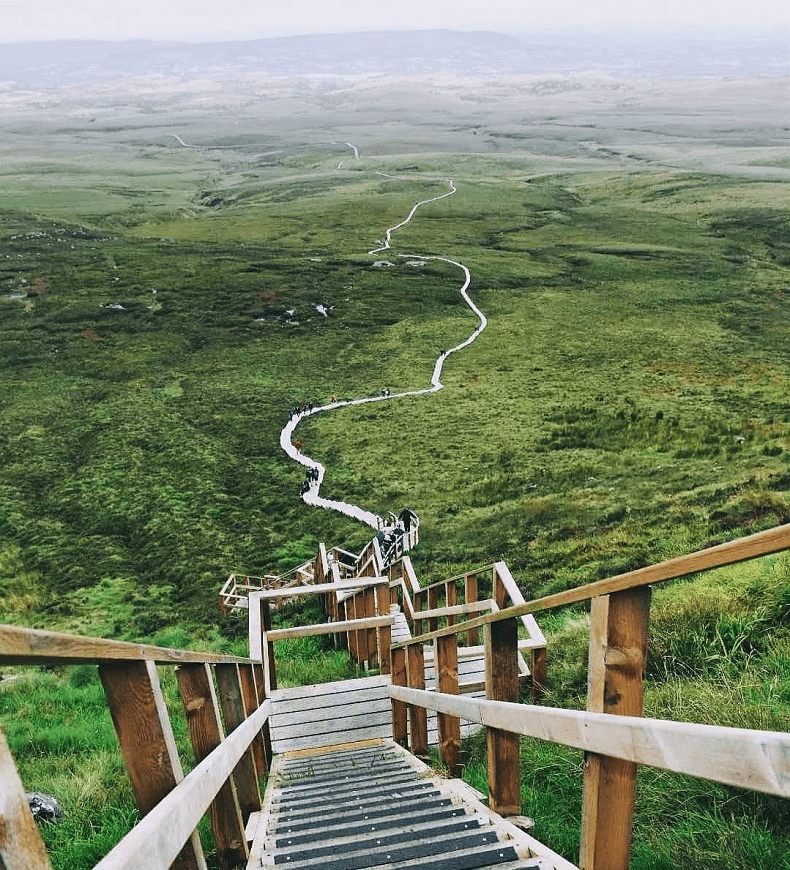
260,691
269,662
249,693
433,605
234,711
759,760
205,730
284,716
418,719
399,711
369,609
503,745
618,656
31,646
384,634
539,674
362,719
470,595
138,711
320,690
20,843
449,726
330,627
457,609
320,588
159,837
451,599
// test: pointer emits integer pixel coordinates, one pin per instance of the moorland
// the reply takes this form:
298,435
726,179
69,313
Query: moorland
171,218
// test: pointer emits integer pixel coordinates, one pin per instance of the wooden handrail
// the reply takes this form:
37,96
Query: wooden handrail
157,839
758,760
328,627
740,550
30,646
317,589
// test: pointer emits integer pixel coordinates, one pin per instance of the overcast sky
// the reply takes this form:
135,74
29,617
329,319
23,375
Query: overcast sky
199,20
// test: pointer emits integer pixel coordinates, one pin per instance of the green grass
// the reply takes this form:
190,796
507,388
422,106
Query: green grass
627,403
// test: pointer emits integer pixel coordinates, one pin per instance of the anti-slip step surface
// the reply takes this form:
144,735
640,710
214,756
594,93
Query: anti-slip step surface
372,807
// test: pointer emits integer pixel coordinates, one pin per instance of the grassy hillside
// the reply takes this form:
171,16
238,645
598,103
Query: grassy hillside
627,402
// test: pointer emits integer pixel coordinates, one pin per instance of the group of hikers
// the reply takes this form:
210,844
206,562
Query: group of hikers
298,409
309,481
394,538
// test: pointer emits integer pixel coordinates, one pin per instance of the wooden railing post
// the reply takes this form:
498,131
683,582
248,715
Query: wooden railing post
20,843
618,649
249,694
234,710
369,598
205,730
145,735
450,598
417,600
538,669
260,691
268,657
418,716
501,651
399,714
384,634
499,591
445,655
433,603
470,596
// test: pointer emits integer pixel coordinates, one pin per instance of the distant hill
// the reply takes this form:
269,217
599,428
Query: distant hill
49,64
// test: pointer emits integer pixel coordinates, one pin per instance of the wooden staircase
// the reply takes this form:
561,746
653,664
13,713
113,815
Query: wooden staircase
375,805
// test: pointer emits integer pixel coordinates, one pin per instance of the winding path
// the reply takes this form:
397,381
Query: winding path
312,496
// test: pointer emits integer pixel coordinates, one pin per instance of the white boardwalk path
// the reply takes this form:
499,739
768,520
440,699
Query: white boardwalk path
312,496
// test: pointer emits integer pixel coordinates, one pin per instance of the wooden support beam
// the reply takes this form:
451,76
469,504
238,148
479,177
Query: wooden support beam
158,838
268,657
249,694
433,604
371,640
353,639
470,596
618,653
234,711
361,624
20,843
418,717
450,600
446,658
499,593
538,670
137,706
384,633
399,710
260,691
418,599
504,786
205,730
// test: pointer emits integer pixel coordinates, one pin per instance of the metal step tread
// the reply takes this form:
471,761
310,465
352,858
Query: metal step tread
365,827
377,807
